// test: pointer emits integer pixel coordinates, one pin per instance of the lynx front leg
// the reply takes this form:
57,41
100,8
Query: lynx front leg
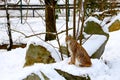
72,60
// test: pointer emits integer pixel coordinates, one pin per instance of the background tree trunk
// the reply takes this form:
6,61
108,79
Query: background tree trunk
9,28
74,20
50,19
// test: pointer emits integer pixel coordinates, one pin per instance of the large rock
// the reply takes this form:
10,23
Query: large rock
68,76
37,54
115,26
93,28
32,77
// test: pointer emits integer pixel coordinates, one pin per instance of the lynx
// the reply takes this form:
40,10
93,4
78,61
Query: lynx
77,53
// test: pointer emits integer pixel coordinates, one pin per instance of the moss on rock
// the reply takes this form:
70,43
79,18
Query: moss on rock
37,54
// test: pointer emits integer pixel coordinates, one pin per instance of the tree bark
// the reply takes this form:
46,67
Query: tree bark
83,19
9,29
50,19
66,5
9,34
74,20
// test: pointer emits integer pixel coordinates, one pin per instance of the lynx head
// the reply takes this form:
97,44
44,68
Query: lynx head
68,38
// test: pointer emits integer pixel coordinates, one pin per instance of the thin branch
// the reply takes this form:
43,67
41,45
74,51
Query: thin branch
82,26
79,19
40,16
48,33
64,31
19,32
27,36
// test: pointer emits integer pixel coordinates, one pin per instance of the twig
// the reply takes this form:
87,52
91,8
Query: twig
19,32
26,36
40,16
79,19
48,33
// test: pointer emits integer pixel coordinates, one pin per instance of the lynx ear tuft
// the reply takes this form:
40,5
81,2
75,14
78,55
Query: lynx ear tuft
69,35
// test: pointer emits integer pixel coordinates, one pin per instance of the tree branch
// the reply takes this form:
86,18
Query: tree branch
27,36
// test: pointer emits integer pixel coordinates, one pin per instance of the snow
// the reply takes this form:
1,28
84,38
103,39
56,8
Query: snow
92,19
12,67
11,62
112,20
96,41
112,56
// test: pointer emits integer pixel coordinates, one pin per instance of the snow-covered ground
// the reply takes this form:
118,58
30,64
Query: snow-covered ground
11,64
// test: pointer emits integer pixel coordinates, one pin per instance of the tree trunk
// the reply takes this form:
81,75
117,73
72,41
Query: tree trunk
9,28
74,20
50,19
9,34
83,19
